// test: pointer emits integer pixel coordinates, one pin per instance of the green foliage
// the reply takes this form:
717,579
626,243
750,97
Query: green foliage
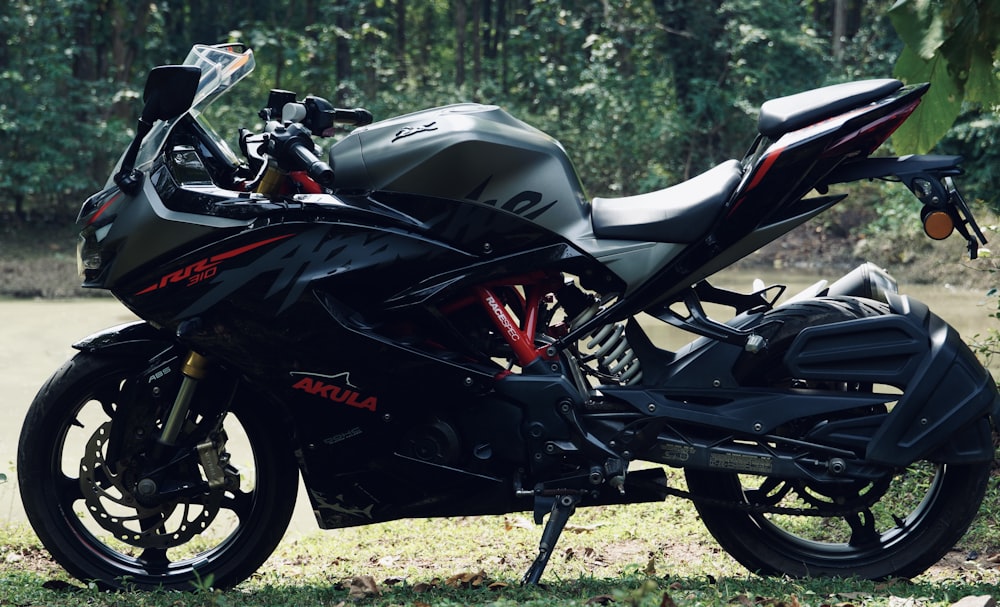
976,137
642,94
954,45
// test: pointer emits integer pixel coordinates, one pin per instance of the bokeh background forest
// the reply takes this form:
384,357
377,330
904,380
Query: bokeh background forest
642,93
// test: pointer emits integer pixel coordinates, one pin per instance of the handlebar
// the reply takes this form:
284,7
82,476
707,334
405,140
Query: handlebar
319,171
292,147
358,116
291,125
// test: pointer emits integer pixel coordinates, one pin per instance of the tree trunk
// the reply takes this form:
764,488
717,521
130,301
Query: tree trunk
343,61
461,21
839,29
477,43
401,39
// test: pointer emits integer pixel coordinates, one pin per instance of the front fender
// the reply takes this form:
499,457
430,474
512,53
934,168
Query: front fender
947,396
137,338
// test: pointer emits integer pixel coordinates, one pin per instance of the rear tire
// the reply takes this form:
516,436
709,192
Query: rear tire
218,537
904,523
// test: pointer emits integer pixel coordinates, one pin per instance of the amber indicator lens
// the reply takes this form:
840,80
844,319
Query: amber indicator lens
938,225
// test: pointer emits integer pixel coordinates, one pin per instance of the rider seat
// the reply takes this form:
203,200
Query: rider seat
679,214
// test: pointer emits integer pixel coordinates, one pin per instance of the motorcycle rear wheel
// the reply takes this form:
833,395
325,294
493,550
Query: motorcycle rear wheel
217,538
904,523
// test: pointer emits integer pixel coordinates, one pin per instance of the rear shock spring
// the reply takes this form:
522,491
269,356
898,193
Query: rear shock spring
609,347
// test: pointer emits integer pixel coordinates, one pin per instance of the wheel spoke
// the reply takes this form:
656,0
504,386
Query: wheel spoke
862,526
108,396
69,489
238,502
765,494
155,559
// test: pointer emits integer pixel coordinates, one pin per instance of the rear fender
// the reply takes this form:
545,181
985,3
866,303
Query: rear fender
947,397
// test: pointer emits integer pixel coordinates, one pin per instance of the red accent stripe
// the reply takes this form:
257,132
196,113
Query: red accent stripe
149,289
249,247
104,207
222,257
769,159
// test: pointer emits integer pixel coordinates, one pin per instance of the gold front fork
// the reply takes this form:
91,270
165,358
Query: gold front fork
272,180
194,369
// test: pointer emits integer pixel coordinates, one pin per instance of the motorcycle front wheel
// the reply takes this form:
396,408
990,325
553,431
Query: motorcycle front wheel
897,526
93,525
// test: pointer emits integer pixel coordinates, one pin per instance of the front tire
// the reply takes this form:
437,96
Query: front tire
897,526
72,496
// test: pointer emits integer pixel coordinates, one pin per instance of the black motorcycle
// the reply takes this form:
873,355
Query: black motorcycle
437,322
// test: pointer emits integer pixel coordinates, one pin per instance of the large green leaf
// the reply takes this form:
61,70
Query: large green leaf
938,109
982,85
919,25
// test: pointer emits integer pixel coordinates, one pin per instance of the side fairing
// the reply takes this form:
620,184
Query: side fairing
341,315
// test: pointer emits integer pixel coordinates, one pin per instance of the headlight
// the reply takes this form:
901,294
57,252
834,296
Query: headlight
88,249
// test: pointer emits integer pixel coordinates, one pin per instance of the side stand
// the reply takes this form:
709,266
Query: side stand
563,508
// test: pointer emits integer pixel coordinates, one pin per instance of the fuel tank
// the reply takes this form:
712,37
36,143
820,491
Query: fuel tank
467,152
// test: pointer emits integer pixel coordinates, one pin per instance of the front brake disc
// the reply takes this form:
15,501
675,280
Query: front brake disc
112,505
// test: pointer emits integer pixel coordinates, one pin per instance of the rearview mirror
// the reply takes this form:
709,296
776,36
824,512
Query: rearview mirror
169,91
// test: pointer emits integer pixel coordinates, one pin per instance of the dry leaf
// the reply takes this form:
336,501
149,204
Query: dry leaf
601,599
984,600
517,522
667,601
742,599
898,601
363,586
466,580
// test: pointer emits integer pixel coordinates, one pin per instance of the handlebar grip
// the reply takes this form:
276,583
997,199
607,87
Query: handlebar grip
318,170
356,117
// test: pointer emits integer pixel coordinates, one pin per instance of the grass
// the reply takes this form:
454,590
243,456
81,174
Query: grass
643,555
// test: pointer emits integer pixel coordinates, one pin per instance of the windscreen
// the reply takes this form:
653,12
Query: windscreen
222,67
